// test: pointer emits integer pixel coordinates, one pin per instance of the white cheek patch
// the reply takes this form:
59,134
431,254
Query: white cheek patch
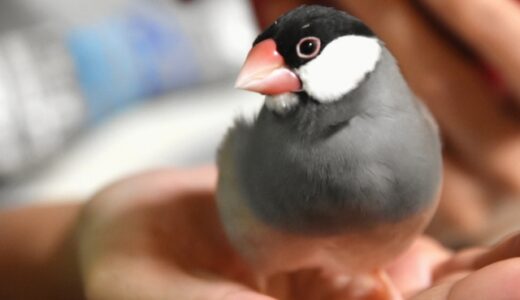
281,103
340,67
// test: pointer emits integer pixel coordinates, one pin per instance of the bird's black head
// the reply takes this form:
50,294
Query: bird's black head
303,33
316,50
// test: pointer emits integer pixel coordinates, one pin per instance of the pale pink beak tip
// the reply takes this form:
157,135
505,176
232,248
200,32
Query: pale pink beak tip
242,83
264,72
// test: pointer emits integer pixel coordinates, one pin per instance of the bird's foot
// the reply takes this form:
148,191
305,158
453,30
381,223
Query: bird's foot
320,284
375,286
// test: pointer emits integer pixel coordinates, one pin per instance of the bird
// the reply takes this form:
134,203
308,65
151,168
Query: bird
341,168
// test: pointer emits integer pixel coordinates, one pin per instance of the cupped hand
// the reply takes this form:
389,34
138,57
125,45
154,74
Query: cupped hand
478,273
158,236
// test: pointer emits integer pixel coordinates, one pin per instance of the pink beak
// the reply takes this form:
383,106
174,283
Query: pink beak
265,72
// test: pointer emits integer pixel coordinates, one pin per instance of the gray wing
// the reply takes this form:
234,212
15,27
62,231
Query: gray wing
236,217
423,109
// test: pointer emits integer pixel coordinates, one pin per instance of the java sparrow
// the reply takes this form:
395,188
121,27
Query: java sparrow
341,169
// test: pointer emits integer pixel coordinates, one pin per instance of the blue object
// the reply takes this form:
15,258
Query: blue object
131,57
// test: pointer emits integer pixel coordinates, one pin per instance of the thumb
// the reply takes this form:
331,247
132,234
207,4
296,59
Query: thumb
135,279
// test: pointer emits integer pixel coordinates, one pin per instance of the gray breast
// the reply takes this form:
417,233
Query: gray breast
381,166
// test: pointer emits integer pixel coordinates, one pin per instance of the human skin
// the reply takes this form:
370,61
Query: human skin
158,236
37,253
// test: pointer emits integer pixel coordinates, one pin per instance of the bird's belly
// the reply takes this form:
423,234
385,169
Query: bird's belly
333,199
270,250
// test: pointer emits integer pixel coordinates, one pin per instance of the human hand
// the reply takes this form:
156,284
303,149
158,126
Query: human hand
158,236
477,273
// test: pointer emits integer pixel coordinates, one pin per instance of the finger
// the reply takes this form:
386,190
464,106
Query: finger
498,281
412,271
462,214
509,248
153,186
498,43
476,258
452,277
462,262
128,277
172,181
200,178
440,291
452,86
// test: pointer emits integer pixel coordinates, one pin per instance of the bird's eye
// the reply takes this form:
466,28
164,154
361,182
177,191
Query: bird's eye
308,47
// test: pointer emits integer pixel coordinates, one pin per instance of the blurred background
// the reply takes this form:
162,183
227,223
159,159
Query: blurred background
92,91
